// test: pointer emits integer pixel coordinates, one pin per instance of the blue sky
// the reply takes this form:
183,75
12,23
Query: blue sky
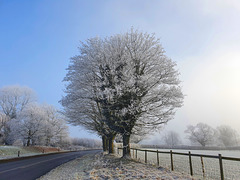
37,38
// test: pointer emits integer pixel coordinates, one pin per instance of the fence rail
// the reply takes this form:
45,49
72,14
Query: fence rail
205,167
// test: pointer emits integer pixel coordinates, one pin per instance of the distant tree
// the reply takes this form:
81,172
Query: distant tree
55,129
30,124
227,136
202,134
39,125
172,139
13,100
86,142
3,121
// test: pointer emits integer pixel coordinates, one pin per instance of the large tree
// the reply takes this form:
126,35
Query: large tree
141,85
134,84
82,101
84,111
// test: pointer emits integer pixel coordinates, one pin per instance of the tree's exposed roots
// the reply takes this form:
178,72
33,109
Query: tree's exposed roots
126,157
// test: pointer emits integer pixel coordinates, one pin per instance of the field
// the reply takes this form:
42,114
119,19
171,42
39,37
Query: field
103,166
208,168
12,151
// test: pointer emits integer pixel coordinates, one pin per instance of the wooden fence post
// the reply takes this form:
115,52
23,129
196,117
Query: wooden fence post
190,163
18,153
221,166
136,153
157,158
133,153
145,156
118,150
203,170
171,155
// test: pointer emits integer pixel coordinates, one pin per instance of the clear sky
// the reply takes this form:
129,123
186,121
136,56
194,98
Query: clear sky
38,37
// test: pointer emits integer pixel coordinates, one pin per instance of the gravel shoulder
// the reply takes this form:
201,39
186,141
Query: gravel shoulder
102,167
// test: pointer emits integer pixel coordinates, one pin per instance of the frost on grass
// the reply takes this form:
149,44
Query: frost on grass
7,152
104,167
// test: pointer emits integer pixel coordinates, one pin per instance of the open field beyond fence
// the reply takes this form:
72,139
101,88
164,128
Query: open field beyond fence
198,165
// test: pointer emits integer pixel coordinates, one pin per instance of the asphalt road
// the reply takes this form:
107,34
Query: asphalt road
33,168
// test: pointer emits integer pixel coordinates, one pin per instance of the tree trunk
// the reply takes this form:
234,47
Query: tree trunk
28,141
126,146
107,143
29,138
110,144
104,143
47,141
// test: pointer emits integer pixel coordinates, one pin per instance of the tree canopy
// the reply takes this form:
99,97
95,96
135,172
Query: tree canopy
125,82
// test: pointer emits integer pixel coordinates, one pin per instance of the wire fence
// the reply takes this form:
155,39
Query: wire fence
198,165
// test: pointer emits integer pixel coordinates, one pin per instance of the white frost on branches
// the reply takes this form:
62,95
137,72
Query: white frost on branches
125,82
21,119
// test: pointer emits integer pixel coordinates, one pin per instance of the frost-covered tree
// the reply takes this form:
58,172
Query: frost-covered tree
172,139
55,129
22,119
3,120
86,142
39,125
134,84
81,104
227,136
30,124
13,100
202,134
141,85
87,112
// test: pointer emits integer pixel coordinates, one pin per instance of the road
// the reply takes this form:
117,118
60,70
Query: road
29,169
